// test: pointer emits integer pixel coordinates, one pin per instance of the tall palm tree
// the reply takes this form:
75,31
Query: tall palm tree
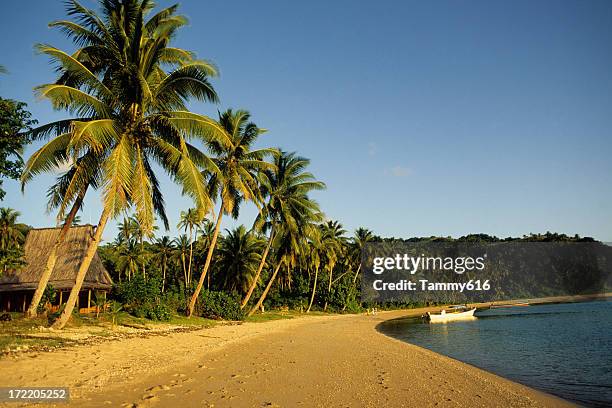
285,186
130,112
181,252
289,246
129,258
128,229
164,248
189,221
361,237
333,234
239,255
236,180
203,239
315,252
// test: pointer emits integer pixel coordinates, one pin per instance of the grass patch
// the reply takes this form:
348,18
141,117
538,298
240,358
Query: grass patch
14,334
24,334
193,321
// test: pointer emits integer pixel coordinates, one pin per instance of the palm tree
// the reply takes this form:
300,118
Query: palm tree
130,112
164,248
294,214
236,180
285,187
129,258
12,237
315,251
206,231
333,234
239,255
128,229
189,221
360,239
289,245
181,251
11,232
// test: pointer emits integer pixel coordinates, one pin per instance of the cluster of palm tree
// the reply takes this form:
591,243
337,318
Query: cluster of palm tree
127,88
279,248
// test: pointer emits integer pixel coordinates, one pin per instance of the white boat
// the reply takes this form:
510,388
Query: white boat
455,313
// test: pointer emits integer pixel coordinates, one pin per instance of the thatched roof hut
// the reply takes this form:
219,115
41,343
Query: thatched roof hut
39,243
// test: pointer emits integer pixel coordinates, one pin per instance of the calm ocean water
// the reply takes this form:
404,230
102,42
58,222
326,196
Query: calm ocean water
563,349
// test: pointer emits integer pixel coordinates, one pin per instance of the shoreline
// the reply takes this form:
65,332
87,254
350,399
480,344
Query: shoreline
310,361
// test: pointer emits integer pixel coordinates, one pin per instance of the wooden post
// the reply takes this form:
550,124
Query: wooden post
88,299
60,301
24,302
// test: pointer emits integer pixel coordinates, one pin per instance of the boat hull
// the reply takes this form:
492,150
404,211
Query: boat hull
448,317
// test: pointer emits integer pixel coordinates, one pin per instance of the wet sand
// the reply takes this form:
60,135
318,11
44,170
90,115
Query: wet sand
320,361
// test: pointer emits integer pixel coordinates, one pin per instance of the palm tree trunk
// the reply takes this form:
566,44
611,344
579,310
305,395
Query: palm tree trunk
328,288
213,242
314,288
190,253
89,255
259,269
265,292
357,273
184,272
52,258
164,262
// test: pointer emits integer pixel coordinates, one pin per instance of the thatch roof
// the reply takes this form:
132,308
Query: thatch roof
38,245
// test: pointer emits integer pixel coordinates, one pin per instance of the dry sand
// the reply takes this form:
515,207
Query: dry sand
322,361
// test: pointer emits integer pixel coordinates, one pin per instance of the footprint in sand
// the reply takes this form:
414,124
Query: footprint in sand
160,387
150,398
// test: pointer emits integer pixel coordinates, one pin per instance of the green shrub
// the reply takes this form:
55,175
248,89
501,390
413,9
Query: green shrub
175,301
157,311
219,305
138,291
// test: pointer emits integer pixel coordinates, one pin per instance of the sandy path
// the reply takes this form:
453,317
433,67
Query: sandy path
316,361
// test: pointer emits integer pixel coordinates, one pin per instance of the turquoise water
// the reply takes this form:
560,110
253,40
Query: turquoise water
562,349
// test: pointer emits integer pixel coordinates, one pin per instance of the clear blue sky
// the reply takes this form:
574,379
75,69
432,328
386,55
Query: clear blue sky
423,118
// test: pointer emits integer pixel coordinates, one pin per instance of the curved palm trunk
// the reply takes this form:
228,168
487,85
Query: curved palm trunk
331,270
89,255
314,289
184,272
52,259
357,273
259,269
213,242
190,254
266,290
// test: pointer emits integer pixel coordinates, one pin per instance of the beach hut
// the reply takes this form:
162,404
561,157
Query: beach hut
17,288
